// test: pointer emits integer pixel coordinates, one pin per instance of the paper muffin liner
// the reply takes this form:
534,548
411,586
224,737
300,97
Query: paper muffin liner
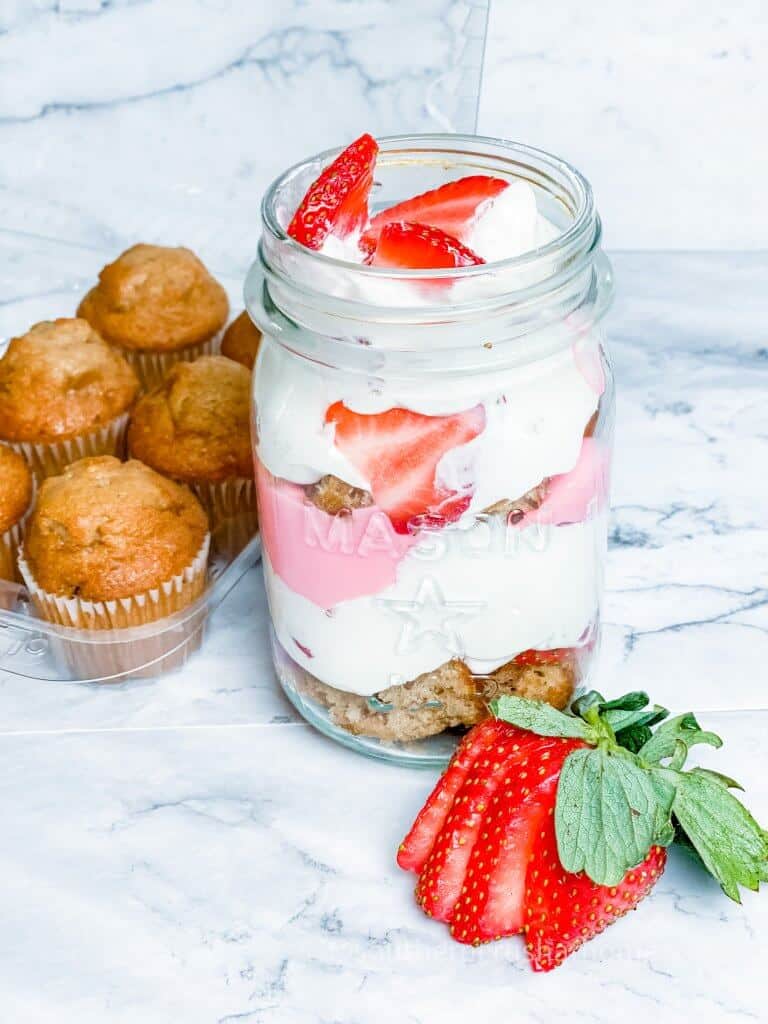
10,545
10,541
152,367
144,657
231,508
50,459
7,559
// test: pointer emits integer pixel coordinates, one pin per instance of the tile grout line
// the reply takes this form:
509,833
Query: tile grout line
210,727
85,731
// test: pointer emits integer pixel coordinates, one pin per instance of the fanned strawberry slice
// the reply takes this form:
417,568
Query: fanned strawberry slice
491,904
398,451
417,247
492,734
451,208
445,871
563,910
575,791
337,201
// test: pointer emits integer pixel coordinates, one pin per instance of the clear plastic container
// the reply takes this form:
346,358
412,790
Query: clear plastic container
36,649
488,385
41,650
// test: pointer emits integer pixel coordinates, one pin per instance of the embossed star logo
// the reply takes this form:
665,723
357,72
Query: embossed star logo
430,616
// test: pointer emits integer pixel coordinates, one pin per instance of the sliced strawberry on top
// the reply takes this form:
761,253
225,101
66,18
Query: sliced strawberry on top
492,902
445,871
451,208
398,452
491,735
337,201
417,247
564,910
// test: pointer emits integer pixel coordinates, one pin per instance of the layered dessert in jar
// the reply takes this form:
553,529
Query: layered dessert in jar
433,415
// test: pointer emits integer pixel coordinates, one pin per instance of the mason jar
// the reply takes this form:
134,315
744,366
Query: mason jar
479,400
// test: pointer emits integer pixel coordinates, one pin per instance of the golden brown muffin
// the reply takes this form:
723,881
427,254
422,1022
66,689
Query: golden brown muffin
15,498
196,425
106,530
158,299
196,428
15,488
60,381
241,341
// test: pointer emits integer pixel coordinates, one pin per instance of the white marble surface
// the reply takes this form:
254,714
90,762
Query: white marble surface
247,875
185,849
657,103
164,119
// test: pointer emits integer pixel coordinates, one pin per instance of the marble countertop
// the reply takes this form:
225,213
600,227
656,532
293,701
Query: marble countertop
186,850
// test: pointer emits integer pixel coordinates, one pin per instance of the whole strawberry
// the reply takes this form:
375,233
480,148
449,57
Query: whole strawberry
556,824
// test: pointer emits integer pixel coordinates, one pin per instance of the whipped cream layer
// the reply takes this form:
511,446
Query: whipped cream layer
506,226
535,418
361,606
485,607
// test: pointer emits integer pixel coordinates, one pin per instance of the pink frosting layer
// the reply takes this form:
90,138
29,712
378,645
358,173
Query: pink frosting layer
329,559
325,558
578,494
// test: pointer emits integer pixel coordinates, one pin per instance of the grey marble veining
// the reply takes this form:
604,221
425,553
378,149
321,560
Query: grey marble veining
686,610
657,103
165,120
187,849
248,875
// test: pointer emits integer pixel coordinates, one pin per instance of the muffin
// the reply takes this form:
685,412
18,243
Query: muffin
64,394
15,498
195,428
241,341
111,545
158,305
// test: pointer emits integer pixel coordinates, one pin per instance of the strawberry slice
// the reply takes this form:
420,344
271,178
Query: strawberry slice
417,247
551,657
563,911
416,846
398,452
337,202
451,208
446,871
492,901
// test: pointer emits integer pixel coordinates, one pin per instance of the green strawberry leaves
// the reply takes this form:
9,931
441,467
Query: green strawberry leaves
685,729
626,790
535,716
605,793
730,843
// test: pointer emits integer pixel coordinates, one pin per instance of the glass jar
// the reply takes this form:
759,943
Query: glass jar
479,402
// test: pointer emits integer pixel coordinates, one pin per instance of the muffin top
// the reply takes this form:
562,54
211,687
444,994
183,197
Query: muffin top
241,341
195,426
158,299
107,529
15,488
61,380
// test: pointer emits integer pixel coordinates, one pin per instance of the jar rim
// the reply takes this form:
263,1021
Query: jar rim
581,235
344,313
